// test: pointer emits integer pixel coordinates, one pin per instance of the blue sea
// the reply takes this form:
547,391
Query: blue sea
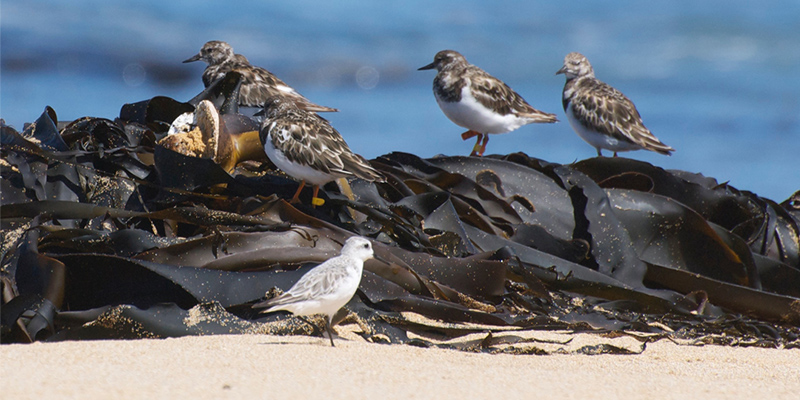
717,80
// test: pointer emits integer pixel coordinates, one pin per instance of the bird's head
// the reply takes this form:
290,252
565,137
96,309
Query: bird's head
576,65
358,247
445,59
213,52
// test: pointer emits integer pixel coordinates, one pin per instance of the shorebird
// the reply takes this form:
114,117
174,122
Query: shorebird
327,287
602,115
308,148
475,100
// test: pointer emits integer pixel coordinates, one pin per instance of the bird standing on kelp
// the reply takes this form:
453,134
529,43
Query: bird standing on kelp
475,100
602,115
308,148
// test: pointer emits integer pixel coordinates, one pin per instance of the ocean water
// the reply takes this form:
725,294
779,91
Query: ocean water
717,80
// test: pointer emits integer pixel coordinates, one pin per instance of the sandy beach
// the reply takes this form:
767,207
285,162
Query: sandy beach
260,366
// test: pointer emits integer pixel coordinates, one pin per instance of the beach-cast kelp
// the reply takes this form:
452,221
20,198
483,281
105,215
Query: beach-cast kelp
107,234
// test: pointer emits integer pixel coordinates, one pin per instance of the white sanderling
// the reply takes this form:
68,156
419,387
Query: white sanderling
327,287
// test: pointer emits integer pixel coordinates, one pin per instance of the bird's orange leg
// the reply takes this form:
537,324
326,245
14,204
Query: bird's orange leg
469,134
483,145
296,198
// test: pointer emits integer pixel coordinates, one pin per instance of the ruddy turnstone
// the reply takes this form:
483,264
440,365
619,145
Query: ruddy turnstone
308,148
478,101
327,287
602,115
257,83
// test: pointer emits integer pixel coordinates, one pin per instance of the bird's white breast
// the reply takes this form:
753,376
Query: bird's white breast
596,139
471,114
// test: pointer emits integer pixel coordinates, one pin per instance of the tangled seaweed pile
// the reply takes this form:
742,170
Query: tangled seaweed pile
107,234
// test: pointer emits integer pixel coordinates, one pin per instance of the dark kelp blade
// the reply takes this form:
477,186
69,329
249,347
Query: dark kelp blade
156,113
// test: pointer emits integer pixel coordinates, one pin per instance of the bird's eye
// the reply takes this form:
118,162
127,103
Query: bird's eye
366,246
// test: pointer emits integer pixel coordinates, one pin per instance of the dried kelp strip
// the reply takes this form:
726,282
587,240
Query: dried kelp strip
64,210
739,298
231,251
157,321
109,235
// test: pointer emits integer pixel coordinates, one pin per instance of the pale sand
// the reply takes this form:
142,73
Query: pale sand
256,366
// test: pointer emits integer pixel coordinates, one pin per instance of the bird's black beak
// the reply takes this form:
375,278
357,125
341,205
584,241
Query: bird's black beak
195,58
563,70
260,112
429,66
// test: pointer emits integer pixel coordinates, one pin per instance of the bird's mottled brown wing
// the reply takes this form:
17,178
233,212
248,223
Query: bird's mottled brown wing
310,140
496,95
602,108
258,84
